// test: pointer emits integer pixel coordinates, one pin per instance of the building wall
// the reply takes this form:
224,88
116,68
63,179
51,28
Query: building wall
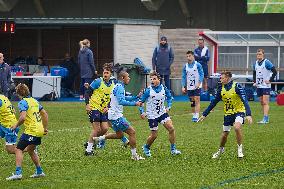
131,41
216,15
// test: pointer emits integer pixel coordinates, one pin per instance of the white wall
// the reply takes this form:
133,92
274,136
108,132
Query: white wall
131,41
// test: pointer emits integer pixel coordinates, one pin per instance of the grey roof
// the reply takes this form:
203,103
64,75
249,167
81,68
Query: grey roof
63,21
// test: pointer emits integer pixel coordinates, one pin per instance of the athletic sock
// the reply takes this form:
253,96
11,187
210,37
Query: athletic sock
39,170
18,170
90,147
133,152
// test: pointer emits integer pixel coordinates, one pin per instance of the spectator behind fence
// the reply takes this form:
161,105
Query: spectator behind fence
163,57
201,55
73,70
43,67
5,76
87,65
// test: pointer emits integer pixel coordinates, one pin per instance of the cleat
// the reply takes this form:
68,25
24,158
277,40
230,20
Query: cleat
240,153
175,152
89,153
86,144
263,122
147,151
137,157
14,177
36,175
217,154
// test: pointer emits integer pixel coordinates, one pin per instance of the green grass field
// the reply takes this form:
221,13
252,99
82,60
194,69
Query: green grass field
265,6
63,160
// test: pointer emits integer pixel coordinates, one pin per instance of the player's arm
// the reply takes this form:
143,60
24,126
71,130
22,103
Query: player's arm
44,118
207,56
271,67
241,92
143,98
213,102
119,93
23,107
200,73
183,79
169,99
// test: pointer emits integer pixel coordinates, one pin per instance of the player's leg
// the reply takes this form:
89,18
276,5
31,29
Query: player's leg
237,125
94,133
197,106
265,108
35,158
228,123
168,124
153,125
10,138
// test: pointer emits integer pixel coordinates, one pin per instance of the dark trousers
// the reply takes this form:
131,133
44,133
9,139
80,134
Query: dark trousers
166,79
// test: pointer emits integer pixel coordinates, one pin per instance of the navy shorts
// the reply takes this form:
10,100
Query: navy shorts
97,116
205,69
229,120
27,140
262,91
192,93
153,123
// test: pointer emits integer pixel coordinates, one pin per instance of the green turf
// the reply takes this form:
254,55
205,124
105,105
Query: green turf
66,166
255,8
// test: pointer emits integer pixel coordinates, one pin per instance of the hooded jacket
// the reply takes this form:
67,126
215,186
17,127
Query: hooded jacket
86,62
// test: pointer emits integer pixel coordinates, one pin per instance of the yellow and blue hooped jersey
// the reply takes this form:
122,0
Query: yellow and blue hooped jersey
101,96
7,112
232,101
33,123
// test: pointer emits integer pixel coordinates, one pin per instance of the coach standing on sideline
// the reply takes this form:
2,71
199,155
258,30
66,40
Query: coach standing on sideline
163,57
87,65
5,76
201,55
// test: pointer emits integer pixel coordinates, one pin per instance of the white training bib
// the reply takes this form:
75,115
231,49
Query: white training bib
155,106
115,111
192,76
262,74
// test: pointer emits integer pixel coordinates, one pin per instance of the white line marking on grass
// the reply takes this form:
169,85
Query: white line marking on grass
267,2
271,3
67,130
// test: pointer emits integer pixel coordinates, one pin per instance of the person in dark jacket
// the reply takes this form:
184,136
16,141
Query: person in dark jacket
87,65
163,57
5,76
73,70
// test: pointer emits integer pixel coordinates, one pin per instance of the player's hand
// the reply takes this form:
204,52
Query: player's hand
249,119
45,132
267,82
138,103
13,127
201,118
254,84
143,115
198,85
88,108
183,90
86,85
105,110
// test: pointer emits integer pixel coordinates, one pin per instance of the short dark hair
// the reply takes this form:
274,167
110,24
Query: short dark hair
122,74
154,73
190,52
227,73
107,66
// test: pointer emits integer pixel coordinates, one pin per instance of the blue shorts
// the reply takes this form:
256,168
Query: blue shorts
192,93
121,124
27,140
263,91
229,120
153,123
205,69
9,135
97,116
